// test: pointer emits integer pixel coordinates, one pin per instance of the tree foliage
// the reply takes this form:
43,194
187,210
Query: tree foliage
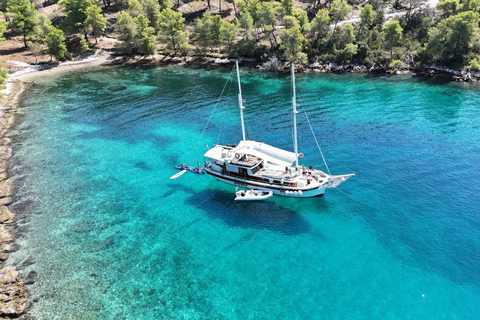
55,40
172,30
95,22
24,14
292,41
452,38
75,11
135,33
393,34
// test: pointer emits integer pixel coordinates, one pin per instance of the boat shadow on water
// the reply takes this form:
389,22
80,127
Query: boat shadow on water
220,205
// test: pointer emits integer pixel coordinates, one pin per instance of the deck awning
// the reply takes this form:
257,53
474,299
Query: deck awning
259,149
267,152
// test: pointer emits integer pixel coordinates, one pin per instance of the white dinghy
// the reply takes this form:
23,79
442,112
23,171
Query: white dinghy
252,195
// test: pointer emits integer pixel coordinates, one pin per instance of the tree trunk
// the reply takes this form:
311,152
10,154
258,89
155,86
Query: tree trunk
219,5
25,38
235,8
173,44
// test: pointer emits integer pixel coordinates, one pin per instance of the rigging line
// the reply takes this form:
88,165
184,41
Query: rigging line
228,101
219,133
359,201
216,105
316,141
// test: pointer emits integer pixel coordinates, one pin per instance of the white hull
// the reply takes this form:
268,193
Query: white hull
277,190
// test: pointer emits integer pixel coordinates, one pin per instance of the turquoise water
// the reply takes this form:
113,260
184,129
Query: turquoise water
114,238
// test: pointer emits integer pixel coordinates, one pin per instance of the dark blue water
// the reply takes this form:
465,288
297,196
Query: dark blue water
114,238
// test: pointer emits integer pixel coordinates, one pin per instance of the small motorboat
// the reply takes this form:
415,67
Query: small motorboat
252,195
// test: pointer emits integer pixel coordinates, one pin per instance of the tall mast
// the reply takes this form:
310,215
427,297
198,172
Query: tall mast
240,100
294,107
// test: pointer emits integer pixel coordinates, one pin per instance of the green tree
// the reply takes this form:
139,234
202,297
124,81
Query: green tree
393,35
55,40
246,24
320,25
41,29
228,33
145,36
292,41
95,21
350,50
338,12
24,14
165,4
366,18
287,7
302,18
267,20
172,30
207,29
290,22
346,36
151,10
3,28
127,30
75,14
451,40
135,8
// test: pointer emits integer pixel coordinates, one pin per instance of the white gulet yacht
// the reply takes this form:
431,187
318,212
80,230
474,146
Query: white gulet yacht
259,166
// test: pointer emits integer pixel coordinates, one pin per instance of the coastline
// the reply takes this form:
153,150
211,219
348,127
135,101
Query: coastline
13,290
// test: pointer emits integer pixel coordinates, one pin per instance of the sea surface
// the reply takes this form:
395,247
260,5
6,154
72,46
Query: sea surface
113,237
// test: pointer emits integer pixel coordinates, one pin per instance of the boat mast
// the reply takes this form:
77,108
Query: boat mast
294,107
240,100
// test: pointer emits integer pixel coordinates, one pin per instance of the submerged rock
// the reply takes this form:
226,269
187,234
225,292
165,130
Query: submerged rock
117,88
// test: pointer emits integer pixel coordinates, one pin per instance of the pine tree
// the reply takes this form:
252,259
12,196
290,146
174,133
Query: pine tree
23,16
95,21
76,14
172,30
56,43
393,35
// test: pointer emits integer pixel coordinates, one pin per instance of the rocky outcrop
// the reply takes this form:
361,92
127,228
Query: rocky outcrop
13,292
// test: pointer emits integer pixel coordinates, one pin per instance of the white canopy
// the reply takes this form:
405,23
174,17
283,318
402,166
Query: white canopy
259,149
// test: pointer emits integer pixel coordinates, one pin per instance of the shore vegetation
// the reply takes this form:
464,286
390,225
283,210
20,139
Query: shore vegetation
392,34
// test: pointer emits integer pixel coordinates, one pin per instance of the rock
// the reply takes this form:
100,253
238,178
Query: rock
3,256
26,263
30,279
5,215
14,308
8,275
117,88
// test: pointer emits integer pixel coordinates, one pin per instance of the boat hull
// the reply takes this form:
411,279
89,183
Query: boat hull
277,190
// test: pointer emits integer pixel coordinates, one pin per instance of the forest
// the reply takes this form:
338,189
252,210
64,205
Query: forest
323,31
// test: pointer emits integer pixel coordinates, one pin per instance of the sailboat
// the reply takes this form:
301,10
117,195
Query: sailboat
258,166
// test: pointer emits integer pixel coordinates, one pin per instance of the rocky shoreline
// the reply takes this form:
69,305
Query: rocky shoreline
13,291
276,65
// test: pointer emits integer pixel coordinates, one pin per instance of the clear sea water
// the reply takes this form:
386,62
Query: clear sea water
114,238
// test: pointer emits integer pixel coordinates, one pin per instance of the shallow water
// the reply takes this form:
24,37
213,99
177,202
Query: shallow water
114,238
